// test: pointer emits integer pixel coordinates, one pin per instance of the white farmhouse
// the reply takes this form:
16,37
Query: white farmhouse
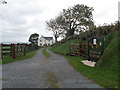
42,41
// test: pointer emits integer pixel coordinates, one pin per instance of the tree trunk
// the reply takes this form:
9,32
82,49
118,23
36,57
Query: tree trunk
70,32
56,39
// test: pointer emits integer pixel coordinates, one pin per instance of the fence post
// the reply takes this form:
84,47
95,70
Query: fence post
87,50
79,49
13,51
1,56
70,48
25,49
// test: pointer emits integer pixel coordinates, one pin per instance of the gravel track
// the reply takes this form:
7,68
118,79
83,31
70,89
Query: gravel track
42,72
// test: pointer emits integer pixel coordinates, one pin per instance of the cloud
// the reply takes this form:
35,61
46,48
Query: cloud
20,18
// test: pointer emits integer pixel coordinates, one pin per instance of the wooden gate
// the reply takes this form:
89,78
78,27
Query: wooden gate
79,49
95,49
18,50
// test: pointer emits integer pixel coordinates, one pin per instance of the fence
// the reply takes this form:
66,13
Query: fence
80,49
92,50
16,50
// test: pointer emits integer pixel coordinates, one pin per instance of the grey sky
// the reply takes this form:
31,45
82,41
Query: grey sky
20,18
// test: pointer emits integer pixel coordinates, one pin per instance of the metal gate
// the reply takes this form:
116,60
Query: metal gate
95,49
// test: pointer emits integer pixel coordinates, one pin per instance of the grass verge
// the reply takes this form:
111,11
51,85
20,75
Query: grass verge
8,59
52,80
106,71
101,76
46,53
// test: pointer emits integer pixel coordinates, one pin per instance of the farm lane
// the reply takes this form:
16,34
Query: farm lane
42,72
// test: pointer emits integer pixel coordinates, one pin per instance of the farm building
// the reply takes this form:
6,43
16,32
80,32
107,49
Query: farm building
45,41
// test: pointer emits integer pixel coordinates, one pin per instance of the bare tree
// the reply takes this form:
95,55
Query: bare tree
55,28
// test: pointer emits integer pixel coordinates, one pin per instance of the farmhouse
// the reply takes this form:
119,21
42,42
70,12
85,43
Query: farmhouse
45,41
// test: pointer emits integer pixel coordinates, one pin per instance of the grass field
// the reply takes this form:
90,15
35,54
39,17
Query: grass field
106,71
8,59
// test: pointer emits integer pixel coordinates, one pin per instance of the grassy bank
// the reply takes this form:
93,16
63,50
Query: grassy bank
109,59
106,71
45,53
63,48
100,75
8,59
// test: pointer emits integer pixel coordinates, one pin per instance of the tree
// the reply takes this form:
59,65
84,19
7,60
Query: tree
76,18
34,39
55,28
3,2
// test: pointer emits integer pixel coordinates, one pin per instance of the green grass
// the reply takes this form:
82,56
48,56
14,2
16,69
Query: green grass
45,53
6,48
63,48
106,71
101,76
8,59
52,80
0,61
110,56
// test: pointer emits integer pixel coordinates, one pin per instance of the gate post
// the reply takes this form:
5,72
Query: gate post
25,49
1,56
88,50
13,51
70,49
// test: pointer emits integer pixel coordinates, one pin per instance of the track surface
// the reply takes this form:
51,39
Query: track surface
42,72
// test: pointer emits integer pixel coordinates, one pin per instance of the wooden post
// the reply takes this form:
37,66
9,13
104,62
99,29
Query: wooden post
13,50
24,49
79,49
70,49
1,55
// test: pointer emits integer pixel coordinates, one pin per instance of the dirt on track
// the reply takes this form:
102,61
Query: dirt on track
42,72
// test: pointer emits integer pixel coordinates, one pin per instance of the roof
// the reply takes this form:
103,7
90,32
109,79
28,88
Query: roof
48,38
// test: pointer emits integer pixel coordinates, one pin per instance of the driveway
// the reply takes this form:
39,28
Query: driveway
42,72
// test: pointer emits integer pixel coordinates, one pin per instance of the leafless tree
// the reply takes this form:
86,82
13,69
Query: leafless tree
55,28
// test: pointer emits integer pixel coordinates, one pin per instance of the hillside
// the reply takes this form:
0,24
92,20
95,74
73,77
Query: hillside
63,48
109,60
106,71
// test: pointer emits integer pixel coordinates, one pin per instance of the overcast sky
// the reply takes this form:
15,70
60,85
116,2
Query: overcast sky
20,18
